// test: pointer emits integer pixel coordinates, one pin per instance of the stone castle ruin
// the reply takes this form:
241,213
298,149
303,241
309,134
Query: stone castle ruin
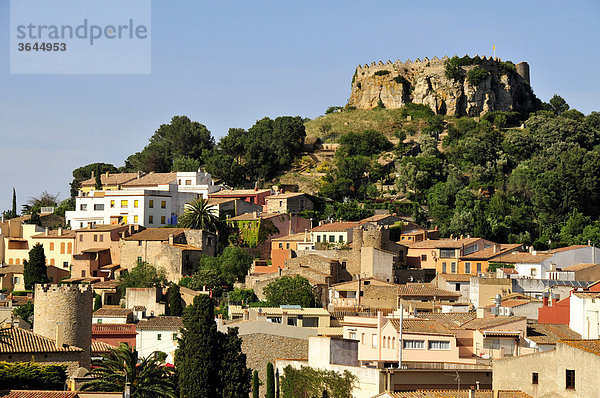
503,87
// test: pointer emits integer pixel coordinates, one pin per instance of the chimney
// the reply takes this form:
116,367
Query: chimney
472,393
127,391
139,174
46,231
545,299
93,175
60,334
60,231
555,298
480,312
107,174
246,315
171,239
284,318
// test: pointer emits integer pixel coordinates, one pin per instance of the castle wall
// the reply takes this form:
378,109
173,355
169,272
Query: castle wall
70,305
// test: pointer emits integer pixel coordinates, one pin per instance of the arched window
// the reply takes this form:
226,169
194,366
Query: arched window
18,261
62,247
70,248
51,245
10,261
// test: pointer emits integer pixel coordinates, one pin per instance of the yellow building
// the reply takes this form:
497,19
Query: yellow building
58,246
110,182
443,255
18,242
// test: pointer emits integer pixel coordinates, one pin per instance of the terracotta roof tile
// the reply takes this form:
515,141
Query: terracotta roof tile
421,326
53,234
336,226
490,252
566,249
451,320
156,234
112,312
550,333
285,195
579,267
41,394
12,268
522,258
112,179
152,179
106,284
440,243
253,216
99,347
103,228
24,341
491,322
161,323
238,192
299,237
457,277
424,289
592,346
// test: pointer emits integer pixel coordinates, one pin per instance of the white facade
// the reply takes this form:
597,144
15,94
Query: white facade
585,314
146,206
148,341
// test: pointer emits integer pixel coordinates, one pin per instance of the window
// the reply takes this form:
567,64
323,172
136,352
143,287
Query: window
62,247
457,287
15,280
139,242
174,337
318,238
159,337
287,245
163,204
51,245
570,379
99,321
374,340
65,264
281,203
112,203
362,338
467,268
352,335
52,261
423,257
18,261
343,264
123,204
209,241
101,238
453,267
81,238
479,268
493,344
98,207
139,259
83,273
341,238
414,344
150,219
443,268
447,253
95,238
135,219
70,248
331,238
188,182
534,378
281,245
163,219
151,204
136,203
439,345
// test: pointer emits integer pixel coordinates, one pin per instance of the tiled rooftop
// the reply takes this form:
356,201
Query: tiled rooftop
336,226
161,323
156,234
550,333
23,341
111,179
592,346
112,312
421,326
440,243
152,179
424,289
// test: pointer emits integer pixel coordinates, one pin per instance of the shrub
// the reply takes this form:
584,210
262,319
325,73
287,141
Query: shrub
332,109
381,73
476,75
31,376
417,111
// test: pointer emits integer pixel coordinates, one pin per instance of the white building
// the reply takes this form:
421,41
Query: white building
153,200
158,334
585,314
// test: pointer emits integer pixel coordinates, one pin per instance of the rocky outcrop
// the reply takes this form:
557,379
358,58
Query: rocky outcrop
505,87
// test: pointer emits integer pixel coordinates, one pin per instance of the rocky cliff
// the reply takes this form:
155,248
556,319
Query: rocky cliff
456,86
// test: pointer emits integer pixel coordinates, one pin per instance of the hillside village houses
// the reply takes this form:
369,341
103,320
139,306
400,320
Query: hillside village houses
477,304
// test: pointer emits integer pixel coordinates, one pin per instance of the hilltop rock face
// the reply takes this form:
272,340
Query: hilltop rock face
425,82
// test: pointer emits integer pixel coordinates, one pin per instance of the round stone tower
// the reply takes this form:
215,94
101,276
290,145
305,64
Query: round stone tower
357,239
64,314
523,71
374,237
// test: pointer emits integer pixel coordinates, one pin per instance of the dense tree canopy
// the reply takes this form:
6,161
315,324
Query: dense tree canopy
289,290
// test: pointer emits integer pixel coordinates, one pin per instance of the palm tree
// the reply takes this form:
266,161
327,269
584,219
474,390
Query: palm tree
148,378
198,214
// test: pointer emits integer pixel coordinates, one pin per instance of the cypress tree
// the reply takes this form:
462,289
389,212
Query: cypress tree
35,269
270,381
98,185
174,307
255,384
235,376
14,204
198,357
97,302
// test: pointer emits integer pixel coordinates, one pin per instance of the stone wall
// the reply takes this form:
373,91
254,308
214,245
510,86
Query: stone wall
263,348
69,305
71,359
424,82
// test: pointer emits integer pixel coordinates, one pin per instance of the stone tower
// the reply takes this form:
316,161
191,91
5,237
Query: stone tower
64,313
523,71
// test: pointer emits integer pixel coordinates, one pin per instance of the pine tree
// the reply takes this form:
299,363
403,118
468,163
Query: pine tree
235,376
174,307
270,381
35,269
97,302
255,385
198,357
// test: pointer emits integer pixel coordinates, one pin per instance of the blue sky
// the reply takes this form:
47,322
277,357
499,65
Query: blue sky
229,63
